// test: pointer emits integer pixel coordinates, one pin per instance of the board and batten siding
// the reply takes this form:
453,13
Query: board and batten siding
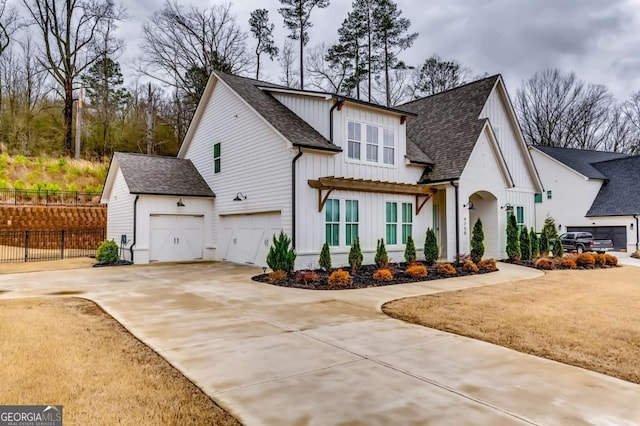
255,160
312,109
120,212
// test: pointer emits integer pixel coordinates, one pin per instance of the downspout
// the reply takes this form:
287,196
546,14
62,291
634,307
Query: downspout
338,104
135,215
455,185
637,234
293,197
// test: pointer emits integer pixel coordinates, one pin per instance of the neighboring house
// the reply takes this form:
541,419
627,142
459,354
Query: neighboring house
323,167
593,191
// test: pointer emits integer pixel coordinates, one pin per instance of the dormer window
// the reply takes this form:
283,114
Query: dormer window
378,143
354,140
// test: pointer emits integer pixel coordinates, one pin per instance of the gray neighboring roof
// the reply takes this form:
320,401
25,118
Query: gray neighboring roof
448,126
292,127
581,160
620,193
149,174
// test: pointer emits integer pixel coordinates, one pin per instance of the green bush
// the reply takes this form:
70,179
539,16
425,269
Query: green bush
477,242
108,252
431,250
544,243
558,248
381,259
325,257
355,255
550,227
525,244
513,245
280,256
535,244
410,250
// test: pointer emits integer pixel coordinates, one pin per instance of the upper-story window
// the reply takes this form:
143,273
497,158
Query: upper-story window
378,143
216,158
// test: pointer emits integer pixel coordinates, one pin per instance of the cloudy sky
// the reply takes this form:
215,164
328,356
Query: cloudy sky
597,39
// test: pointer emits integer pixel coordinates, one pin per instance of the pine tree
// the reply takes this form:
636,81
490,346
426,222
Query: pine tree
348,53
477,242
544,243
280,256
513,245
558,248
355,255
550,227
325,257
431,249
410,250
525,244
381,258
535,244
263,32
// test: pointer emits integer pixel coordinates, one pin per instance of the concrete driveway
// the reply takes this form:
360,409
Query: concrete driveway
279,356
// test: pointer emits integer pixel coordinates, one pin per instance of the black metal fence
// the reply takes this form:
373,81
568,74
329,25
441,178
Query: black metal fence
32,246
24,197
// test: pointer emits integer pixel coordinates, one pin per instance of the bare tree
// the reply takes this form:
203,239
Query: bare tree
631,110
437,75
8,26
288,76
399,89
622,135
69,29
329,76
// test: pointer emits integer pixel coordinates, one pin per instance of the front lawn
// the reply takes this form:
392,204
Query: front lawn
585,318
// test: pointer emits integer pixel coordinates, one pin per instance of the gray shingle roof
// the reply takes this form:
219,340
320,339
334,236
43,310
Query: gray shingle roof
581,160
620,194
416,155
292,127
149,174
448,126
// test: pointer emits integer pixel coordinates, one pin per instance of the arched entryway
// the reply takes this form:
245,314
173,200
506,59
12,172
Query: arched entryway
485,208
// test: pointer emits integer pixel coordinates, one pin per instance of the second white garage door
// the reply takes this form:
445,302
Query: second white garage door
246,238
175,238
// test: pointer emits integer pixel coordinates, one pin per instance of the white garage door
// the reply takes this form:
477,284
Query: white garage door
175,238
247,238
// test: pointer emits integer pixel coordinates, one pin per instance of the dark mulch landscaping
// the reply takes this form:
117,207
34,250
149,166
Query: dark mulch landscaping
364,277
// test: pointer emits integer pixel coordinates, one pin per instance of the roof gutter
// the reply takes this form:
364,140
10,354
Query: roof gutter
339,103
135,215
637,233
293,196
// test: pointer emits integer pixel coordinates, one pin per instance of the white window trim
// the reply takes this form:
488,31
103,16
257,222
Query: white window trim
381,146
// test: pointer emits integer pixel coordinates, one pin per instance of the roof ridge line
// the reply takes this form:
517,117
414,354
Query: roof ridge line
453,88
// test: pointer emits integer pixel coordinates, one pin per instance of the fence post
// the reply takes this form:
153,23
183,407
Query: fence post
26,246
62,245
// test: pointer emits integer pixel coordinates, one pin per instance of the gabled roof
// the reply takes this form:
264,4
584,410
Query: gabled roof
620,193
150,174
581,160
448,126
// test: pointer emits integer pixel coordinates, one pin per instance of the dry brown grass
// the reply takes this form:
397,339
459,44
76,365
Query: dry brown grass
585,318
68,351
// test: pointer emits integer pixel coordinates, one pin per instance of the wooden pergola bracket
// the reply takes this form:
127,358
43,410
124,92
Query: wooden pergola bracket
323,200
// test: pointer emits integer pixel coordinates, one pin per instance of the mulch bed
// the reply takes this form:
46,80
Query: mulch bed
364,277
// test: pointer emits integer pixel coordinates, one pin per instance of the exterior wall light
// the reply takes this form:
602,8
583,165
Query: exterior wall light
469,206
508,207
240,196
180,203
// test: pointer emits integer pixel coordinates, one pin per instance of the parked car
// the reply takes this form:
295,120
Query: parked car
584,241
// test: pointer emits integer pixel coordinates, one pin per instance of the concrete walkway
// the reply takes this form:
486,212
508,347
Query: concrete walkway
279,356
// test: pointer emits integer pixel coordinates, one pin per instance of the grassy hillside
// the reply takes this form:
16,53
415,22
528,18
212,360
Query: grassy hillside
54,174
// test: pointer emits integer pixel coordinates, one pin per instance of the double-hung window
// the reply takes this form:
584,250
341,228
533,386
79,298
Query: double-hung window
332,222
354,140
407,221
549,195
388,143
351,221
372,144
520,217
216,158
392,223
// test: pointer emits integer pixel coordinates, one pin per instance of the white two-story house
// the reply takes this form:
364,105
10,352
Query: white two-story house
326,168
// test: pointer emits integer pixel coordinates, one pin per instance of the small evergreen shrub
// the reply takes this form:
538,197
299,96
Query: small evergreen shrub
325,257
535,244
470,266
416,271
599,260
410,250
610,260
277,275
568,263
513,245
339,279
108,252
431,250
381,259
488,265
383,275
477,242
525,244
355,255
280,255
545,264
585,260
447,269
544,243
550,227
307,277
558,248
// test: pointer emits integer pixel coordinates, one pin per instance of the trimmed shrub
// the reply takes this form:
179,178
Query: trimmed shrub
383,275
280,255
544,243
535,244
488,265
431,250
278,275
339,278
471,267
599,260
108,252
410,250
585,260
477,242
416,271
558,248
568,263
513,245
550,227
325,257
447,269
525,244
610,259
546,264
307,277
355,255
381,259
